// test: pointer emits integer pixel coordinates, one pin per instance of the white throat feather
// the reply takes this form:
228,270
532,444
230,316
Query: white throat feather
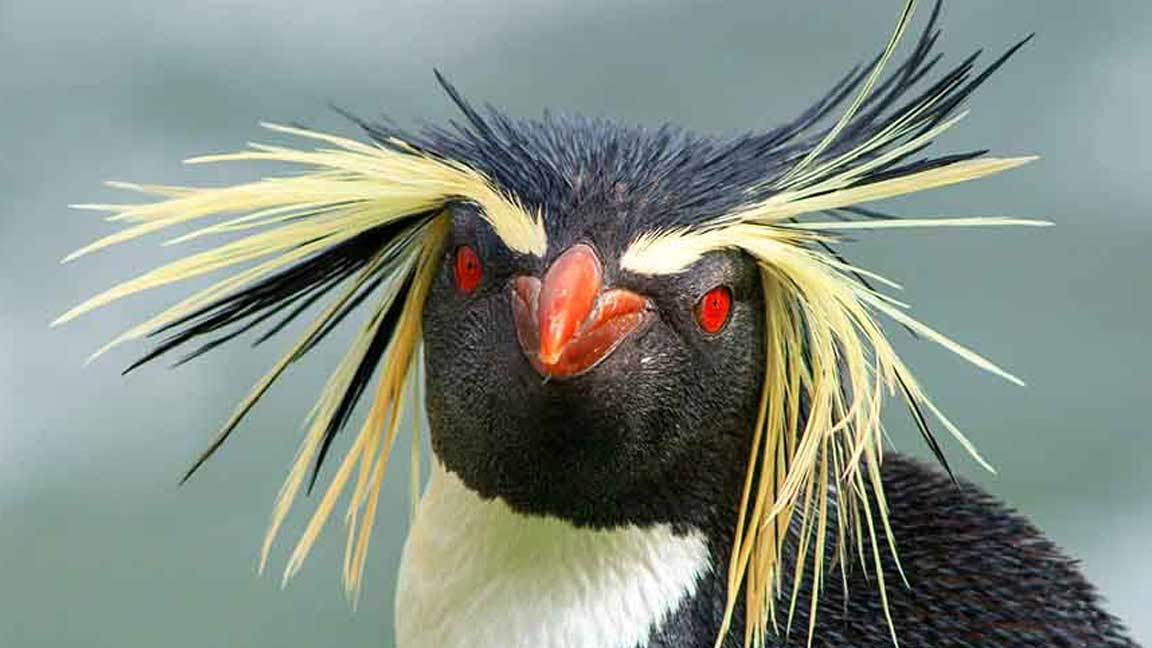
476,573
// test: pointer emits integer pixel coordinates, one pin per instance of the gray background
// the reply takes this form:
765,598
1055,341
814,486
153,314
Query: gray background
99,547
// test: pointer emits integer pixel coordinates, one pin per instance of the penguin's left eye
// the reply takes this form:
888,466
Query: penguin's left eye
467,269
713,309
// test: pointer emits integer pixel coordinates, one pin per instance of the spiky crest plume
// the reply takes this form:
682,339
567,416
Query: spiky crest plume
818,441
365,228
367,220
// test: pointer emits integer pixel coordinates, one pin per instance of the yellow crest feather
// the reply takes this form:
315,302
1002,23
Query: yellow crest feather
350,189
826,352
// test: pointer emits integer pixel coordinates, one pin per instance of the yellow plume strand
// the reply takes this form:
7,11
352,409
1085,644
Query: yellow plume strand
348,188
310,335
865,90
325,409
378,184
824,347
373,445
673,250
415,479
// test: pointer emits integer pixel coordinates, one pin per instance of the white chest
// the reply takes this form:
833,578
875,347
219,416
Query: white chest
477,574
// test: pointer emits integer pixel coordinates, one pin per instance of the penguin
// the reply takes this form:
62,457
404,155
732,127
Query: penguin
652,380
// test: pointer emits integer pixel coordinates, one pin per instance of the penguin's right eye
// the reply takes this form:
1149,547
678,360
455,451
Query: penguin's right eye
467,269
713,309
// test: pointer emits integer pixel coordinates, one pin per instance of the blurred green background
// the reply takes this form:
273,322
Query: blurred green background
98,545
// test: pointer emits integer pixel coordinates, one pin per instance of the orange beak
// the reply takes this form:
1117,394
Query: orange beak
567,324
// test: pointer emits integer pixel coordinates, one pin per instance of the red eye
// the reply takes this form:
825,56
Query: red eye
713,308
467,268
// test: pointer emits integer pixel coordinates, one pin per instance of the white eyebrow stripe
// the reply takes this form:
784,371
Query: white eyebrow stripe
670,251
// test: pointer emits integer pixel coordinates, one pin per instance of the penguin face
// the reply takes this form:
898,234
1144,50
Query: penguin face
568,387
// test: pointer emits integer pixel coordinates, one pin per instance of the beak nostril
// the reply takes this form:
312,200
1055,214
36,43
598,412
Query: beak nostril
527,291
525,300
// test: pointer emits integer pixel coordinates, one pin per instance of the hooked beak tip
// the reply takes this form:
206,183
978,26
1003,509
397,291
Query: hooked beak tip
550,357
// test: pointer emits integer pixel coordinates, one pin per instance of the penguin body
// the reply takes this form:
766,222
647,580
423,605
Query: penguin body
478,574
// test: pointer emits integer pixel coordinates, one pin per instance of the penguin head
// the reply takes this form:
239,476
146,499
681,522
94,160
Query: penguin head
568,386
